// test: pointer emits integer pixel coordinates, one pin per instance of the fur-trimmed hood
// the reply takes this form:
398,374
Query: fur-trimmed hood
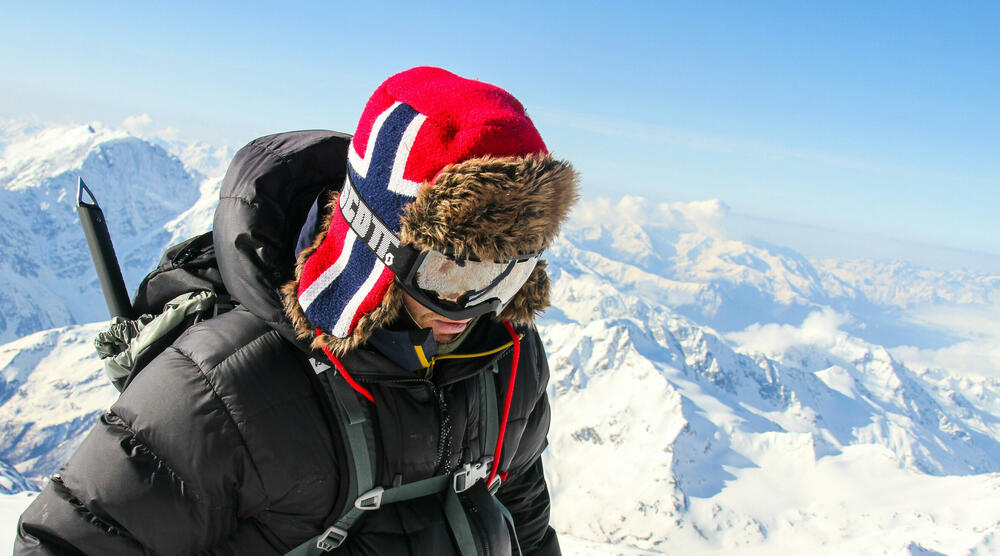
492,207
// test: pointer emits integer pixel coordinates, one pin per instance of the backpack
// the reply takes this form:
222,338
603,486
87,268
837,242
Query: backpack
184,289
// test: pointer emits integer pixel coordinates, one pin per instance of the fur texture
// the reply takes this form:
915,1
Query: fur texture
493,208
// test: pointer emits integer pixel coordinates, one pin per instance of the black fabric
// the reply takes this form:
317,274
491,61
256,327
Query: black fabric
266,195
186,267
222,445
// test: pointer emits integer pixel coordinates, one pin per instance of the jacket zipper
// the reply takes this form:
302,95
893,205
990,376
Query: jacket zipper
471,512
442,465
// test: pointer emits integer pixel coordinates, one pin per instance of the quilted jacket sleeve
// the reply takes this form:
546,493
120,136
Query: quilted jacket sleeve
164,471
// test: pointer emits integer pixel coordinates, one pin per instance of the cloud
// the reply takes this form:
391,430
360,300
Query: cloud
703,216
169,133
978,354
137,125
976,358
820,328
142,126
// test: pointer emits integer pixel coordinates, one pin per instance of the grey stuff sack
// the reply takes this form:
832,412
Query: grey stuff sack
185,288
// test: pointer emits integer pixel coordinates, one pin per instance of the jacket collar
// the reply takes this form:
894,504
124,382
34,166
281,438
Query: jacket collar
394,355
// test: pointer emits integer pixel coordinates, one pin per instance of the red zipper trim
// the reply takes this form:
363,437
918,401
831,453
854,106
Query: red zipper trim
506,405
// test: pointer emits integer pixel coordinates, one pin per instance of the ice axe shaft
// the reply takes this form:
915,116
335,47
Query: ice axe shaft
95,227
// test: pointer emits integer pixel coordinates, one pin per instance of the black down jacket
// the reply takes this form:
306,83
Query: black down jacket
222,445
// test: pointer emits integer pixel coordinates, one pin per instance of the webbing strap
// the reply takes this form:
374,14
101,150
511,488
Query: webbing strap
416,489
308,548
458,521
361,470
409,491
354,420
361,477
510,524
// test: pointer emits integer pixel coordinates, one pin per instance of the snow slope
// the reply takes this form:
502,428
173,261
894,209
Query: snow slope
52,389
666,437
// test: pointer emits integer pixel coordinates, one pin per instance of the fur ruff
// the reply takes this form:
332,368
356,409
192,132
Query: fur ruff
493,208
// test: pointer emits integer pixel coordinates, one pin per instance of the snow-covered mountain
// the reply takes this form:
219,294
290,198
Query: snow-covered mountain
709,395
895,283
681,255
682,419
52,389
47,272
710,278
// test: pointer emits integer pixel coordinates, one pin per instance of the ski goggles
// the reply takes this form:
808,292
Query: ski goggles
456,286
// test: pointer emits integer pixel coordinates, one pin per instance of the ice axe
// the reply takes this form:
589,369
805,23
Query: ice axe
95,227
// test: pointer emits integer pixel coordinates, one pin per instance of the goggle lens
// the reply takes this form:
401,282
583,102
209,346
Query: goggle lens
469,282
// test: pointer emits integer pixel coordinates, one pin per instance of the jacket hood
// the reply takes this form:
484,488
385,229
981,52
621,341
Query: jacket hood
264,198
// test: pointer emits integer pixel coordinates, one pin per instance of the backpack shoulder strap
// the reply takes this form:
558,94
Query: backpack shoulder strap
361,461
356,430
489,414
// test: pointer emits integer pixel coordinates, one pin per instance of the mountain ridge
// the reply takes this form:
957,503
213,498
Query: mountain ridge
50,276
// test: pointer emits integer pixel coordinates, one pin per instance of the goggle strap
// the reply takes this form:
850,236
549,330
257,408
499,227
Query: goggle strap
373,231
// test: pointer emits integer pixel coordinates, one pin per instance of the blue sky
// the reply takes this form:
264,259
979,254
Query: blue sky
873,121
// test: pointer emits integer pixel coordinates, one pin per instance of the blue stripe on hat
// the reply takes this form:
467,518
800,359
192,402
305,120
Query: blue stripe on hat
326,310
374,188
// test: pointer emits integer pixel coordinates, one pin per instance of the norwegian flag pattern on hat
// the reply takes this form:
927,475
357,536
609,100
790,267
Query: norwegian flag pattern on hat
416,123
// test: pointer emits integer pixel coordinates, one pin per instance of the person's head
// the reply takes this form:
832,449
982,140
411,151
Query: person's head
451,197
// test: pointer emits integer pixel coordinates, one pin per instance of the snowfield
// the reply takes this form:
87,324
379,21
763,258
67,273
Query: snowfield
709,395
11,506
